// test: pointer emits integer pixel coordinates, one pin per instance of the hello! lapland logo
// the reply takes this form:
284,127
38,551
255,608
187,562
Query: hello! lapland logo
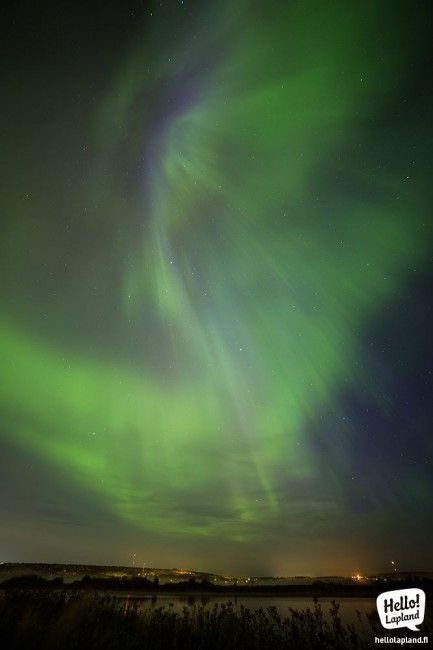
401,608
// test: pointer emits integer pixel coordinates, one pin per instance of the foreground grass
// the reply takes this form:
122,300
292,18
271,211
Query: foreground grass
73,621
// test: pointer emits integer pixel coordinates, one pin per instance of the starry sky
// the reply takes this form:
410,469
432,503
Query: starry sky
215,272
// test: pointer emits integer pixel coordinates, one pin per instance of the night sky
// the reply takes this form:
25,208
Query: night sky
215,285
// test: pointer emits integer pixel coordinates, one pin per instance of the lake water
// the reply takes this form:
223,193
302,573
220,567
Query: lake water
348,606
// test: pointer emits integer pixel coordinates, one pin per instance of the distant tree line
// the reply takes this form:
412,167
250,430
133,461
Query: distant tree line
139,583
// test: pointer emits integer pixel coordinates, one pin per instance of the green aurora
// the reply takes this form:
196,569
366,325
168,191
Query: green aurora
246,214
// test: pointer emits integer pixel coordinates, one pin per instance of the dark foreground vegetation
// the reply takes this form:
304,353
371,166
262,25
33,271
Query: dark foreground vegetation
54,620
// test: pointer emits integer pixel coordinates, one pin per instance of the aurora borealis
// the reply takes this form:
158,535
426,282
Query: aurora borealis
215,319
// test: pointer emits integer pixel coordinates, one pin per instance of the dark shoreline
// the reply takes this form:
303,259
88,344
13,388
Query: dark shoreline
141,587
233,594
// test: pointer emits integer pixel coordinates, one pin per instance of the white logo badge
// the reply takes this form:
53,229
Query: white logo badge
401,608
